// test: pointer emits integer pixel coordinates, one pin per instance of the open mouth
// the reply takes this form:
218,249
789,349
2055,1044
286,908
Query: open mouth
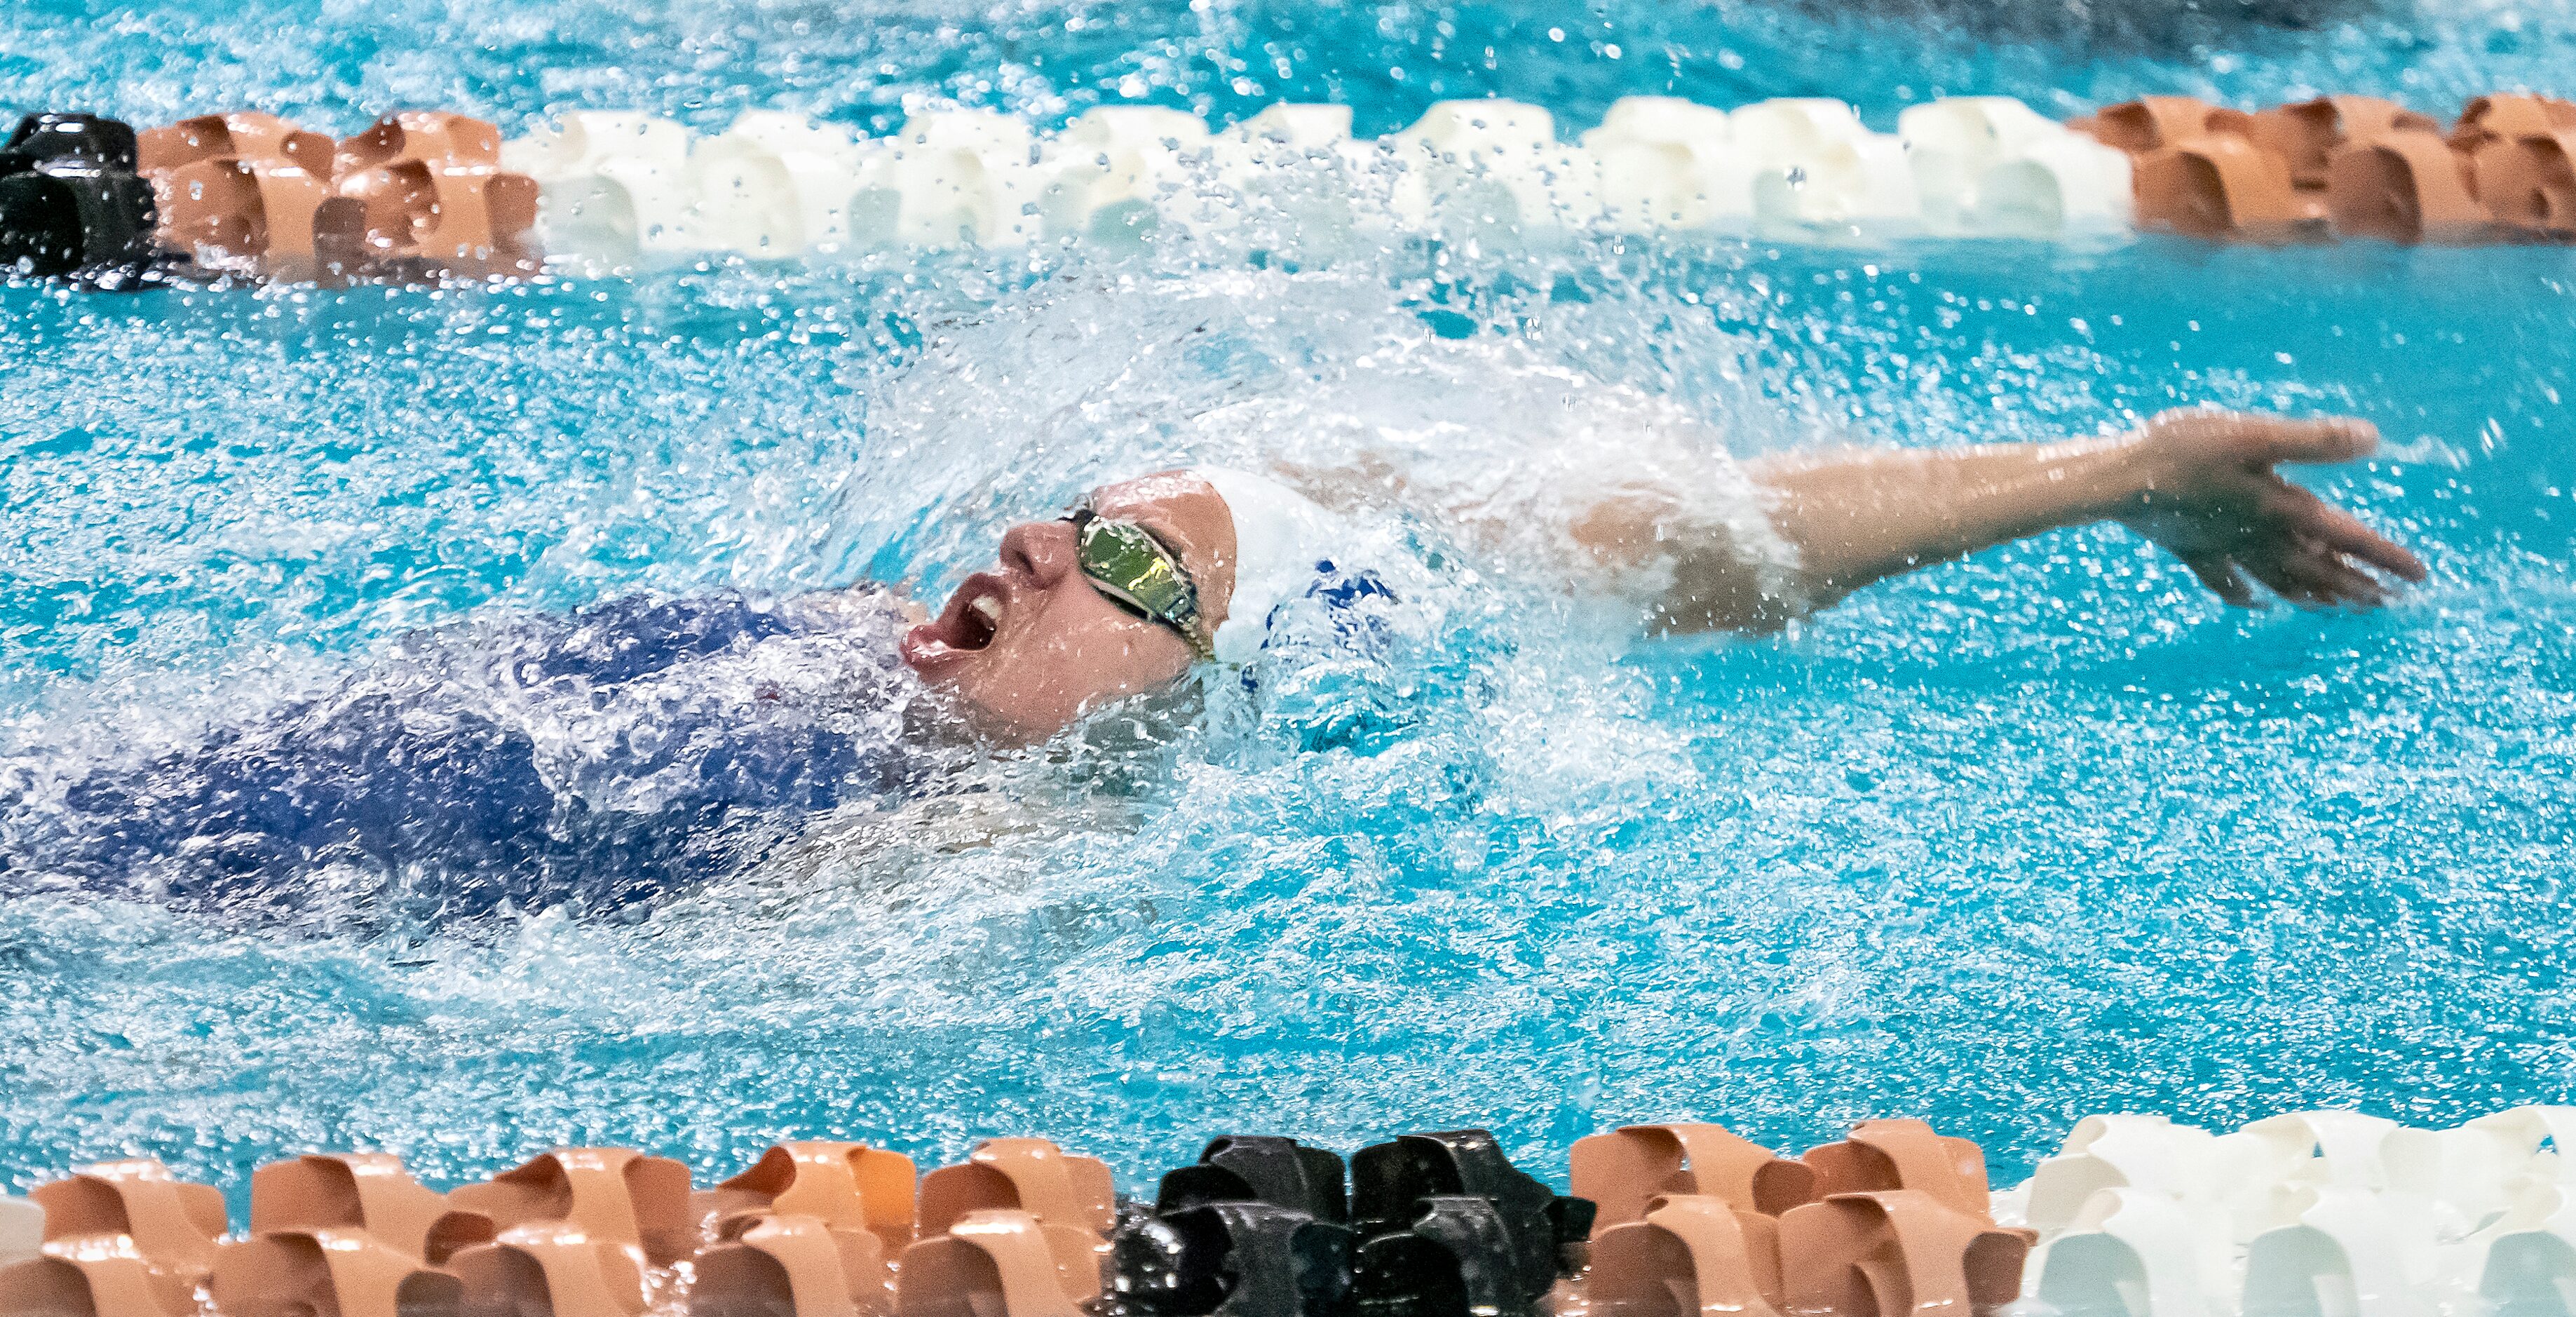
969,622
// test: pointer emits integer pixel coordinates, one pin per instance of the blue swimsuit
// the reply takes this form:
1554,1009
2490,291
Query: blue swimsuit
591,760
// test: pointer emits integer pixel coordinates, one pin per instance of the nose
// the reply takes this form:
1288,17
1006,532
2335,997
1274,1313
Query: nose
1040,553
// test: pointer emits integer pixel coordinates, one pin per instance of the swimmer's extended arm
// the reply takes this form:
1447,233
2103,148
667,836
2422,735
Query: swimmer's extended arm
2199,483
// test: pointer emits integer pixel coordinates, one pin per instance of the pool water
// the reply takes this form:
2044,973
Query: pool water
2046,833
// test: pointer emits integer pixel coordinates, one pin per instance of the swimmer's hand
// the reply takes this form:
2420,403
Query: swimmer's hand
2207,491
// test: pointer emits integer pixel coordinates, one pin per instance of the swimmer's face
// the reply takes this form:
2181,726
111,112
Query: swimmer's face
1030,645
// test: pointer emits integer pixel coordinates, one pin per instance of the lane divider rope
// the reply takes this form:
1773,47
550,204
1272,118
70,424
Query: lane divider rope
423,194
2333,1213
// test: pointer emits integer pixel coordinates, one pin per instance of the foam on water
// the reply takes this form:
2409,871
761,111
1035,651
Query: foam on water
2041,834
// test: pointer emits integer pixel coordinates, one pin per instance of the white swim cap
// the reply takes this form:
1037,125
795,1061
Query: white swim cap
1280,537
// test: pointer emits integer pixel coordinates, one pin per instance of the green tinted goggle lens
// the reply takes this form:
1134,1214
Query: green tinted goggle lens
1126,563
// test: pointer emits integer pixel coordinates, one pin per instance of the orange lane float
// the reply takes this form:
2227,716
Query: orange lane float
92,1283
2152,123
2307,134
2382,170
811,1227
1892,1220
429,187
2199,171
1020,1227
1904,1225
2519,147
365,1192
552,1267
119,1237
847,1186
1030,1175
1688,1255
2523,147
1886,1155
2219,187
2352,166
615,1195
346,1233
168,1221
1688,1222
2531,184
246,134
1625,1170
2405,186
233,208
299,1273
238,190
578,1232
793,1265
417,194
997,1263
1897,1253
2501,117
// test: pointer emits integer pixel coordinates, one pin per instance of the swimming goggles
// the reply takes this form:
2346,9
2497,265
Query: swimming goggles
1129,565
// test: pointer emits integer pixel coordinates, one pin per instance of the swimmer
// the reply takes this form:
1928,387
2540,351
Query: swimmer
1157,574
601,758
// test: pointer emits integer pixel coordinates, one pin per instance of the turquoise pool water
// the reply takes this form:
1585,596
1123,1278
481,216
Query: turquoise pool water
2042,834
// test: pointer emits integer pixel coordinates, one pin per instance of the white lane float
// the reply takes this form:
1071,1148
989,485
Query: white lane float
1990,166
2491,1164
2150,1154
588,137
773,185
1818,168
949,178
2347,1252
2314,1147
2525,1260
2507,1173
2310,1214
1668,164
1287,130
1114,172
611,186
1493,169
819,164
620,186
2132,1253
1298,166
